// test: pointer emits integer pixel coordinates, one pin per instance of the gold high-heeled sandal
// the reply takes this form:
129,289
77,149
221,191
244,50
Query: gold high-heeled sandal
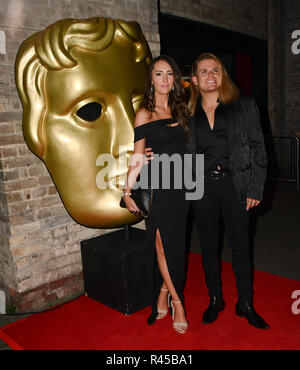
180,327
161,312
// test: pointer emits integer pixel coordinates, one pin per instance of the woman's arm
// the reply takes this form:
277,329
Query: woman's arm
136,164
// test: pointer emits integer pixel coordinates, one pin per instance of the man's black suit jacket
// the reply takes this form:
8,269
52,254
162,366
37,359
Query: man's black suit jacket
247,154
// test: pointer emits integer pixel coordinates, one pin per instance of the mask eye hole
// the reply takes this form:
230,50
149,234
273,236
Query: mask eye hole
90,112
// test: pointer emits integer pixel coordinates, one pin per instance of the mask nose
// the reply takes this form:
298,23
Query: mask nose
123,131
121,146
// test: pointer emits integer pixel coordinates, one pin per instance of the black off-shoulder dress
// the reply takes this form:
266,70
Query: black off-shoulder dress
169,207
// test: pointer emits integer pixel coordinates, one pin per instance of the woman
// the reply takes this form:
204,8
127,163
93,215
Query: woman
162,124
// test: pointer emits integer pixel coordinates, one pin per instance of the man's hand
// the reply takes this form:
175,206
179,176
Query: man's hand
148,155
251,203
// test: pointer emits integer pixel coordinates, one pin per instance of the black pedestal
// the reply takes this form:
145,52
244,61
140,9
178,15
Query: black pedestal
115,269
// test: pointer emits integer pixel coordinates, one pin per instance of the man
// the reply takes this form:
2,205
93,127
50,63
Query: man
225,127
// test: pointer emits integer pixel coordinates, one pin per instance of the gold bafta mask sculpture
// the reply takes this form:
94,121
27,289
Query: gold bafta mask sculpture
81,83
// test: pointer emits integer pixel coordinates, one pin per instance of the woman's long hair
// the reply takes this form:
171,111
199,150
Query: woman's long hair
177,96
228,90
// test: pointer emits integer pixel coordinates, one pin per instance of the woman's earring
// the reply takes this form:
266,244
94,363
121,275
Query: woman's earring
152,88
173,88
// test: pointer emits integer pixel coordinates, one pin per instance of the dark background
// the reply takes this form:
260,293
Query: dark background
245,57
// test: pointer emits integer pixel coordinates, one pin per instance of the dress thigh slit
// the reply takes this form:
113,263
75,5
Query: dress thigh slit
167,217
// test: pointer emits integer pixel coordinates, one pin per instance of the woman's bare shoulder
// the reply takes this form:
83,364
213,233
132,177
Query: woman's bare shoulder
143,116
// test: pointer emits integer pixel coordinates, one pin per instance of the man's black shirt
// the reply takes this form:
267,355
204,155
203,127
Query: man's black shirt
212,143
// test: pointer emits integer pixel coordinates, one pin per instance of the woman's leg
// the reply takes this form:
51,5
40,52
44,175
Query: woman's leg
167,282
162,302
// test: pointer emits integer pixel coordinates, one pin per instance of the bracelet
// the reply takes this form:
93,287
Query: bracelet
124,194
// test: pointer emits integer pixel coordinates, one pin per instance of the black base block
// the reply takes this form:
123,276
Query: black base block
115,269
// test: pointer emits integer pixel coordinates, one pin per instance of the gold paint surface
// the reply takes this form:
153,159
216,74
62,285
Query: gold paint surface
64,68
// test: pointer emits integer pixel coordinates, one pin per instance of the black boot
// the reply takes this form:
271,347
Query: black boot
247,310
211,314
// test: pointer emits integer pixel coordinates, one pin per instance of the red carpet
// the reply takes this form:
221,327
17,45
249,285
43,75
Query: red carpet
87,324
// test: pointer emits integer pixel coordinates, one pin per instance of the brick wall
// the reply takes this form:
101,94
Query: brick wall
40,260
248,17
284,78
292,68
284,67
276,60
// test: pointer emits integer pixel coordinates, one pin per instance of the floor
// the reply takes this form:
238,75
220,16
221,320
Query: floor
275,225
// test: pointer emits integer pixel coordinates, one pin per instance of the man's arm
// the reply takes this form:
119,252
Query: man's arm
258,156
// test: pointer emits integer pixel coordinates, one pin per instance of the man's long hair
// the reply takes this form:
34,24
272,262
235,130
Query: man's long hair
177,96
229,92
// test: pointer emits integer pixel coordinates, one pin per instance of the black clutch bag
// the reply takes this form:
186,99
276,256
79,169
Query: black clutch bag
143,199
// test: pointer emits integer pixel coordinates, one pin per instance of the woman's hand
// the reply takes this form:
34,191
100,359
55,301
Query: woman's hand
251,203
148,155
131,205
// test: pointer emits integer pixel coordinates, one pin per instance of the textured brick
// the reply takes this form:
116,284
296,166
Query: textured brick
35,171
27,249
21,229
8,152
11,139
59,231
10,116
39,192
16,162
45,180
16,208
50,201
52,190
14,197
16,240
20,184
6,128
10,175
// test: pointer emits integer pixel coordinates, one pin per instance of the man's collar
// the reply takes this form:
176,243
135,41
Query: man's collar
218,100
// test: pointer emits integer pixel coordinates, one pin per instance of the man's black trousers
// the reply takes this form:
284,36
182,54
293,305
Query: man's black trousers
221,198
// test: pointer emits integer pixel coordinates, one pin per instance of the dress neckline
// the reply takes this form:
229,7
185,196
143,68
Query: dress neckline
165,121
